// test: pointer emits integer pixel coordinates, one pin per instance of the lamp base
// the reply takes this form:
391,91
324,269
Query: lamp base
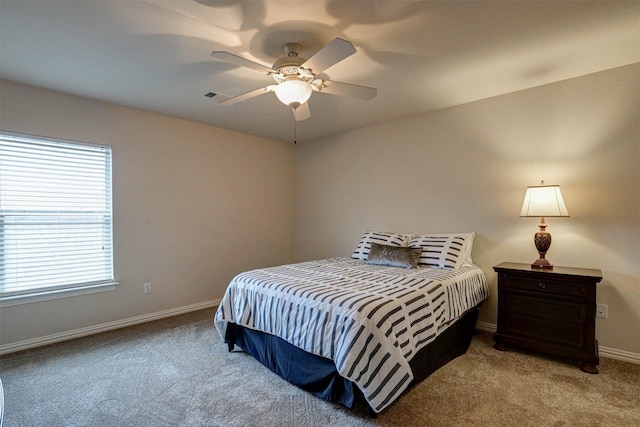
542,239
542,263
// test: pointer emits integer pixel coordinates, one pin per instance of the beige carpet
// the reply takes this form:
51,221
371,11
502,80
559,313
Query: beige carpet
177,372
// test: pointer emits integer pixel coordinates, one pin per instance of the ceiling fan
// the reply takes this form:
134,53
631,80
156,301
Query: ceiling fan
295,77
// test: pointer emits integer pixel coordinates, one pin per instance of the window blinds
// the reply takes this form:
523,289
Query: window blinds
55,215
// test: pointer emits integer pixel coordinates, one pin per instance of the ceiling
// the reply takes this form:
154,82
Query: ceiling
421,55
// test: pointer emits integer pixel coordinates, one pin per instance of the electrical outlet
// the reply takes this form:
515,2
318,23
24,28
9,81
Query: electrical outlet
147,288
602,310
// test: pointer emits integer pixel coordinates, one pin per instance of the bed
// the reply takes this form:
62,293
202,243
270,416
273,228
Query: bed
369,325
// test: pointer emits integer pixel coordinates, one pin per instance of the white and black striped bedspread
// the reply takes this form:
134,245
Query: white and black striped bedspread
370,320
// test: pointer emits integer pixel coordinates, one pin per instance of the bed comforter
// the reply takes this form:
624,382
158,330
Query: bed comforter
370,320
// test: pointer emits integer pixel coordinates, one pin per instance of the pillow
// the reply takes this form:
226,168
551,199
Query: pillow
394,256
449,250
468,245
383,238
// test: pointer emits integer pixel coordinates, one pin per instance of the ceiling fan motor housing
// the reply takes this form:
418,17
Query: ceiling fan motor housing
290,67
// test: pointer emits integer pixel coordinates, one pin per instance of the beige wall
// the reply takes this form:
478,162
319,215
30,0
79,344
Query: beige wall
466,169
193,206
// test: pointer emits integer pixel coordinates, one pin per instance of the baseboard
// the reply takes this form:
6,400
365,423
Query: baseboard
82,332
625,356
611,353
486,327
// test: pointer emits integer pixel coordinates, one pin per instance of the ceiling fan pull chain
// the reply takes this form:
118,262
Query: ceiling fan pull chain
295,127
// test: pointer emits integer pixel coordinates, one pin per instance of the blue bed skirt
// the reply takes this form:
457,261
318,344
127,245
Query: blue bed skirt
318,375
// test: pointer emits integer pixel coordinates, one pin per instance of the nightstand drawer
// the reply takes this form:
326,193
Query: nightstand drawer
545,286
571,335
546,309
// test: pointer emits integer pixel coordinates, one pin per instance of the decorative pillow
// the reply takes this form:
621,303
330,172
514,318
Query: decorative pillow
394,256
382,238
449,250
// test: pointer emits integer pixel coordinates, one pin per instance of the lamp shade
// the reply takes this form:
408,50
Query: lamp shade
293,93
543,201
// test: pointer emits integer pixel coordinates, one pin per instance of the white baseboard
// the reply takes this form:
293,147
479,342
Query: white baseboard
90,330
611,353
486,327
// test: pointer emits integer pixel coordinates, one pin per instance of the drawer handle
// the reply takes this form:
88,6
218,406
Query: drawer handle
542,285
541,331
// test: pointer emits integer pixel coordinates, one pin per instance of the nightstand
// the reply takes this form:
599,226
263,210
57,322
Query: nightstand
548,311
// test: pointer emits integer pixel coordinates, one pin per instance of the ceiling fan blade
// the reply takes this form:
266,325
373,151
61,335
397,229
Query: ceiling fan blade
240,98
337,50
238,60
345,89
302,112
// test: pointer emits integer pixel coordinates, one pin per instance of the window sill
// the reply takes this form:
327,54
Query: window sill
55,294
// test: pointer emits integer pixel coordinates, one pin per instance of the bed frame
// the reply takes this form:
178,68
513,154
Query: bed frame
318,375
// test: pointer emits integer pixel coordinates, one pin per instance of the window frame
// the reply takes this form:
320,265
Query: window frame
43,293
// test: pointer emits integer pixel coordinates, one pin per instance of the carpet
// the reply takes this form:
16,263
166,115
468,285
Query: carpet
177,372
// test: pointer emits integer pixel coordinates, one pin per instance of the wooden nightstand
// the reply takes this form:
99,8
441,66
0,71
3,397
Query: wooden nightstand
550,311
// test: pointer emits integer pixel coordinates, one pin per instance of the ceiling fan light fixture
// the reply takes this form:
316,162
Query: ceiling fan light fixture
293,93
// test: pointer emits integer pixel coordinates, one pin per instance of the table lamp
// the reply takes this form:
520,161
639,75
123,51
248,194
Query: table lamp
543,201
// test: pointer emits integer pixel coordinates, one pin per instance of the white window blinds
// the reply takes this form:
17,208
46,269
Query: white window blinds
55,215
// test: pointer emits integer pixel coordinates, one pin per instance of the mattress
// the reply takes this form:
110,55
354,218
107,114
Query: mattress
369,320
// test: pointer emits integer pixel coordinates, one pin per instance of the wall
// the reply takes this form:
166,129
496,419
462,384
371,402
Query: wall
466,169
193,206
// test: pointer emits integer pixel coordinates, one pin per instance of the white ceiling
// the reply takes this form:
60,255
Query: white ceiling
421,55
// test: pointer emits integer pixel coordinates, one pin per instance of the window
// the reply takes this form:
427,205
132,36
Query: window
55,218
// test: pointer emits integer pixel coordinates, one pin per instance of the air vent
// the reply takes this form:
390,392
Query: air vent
210,94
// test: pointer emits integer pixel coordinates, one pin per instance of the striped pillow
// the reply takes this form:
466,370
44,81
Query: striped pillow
468,245
444,250
380,237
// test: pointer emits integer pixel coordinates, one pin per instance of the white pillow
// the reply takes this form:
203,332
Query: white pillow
382,238
444,250
468,245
